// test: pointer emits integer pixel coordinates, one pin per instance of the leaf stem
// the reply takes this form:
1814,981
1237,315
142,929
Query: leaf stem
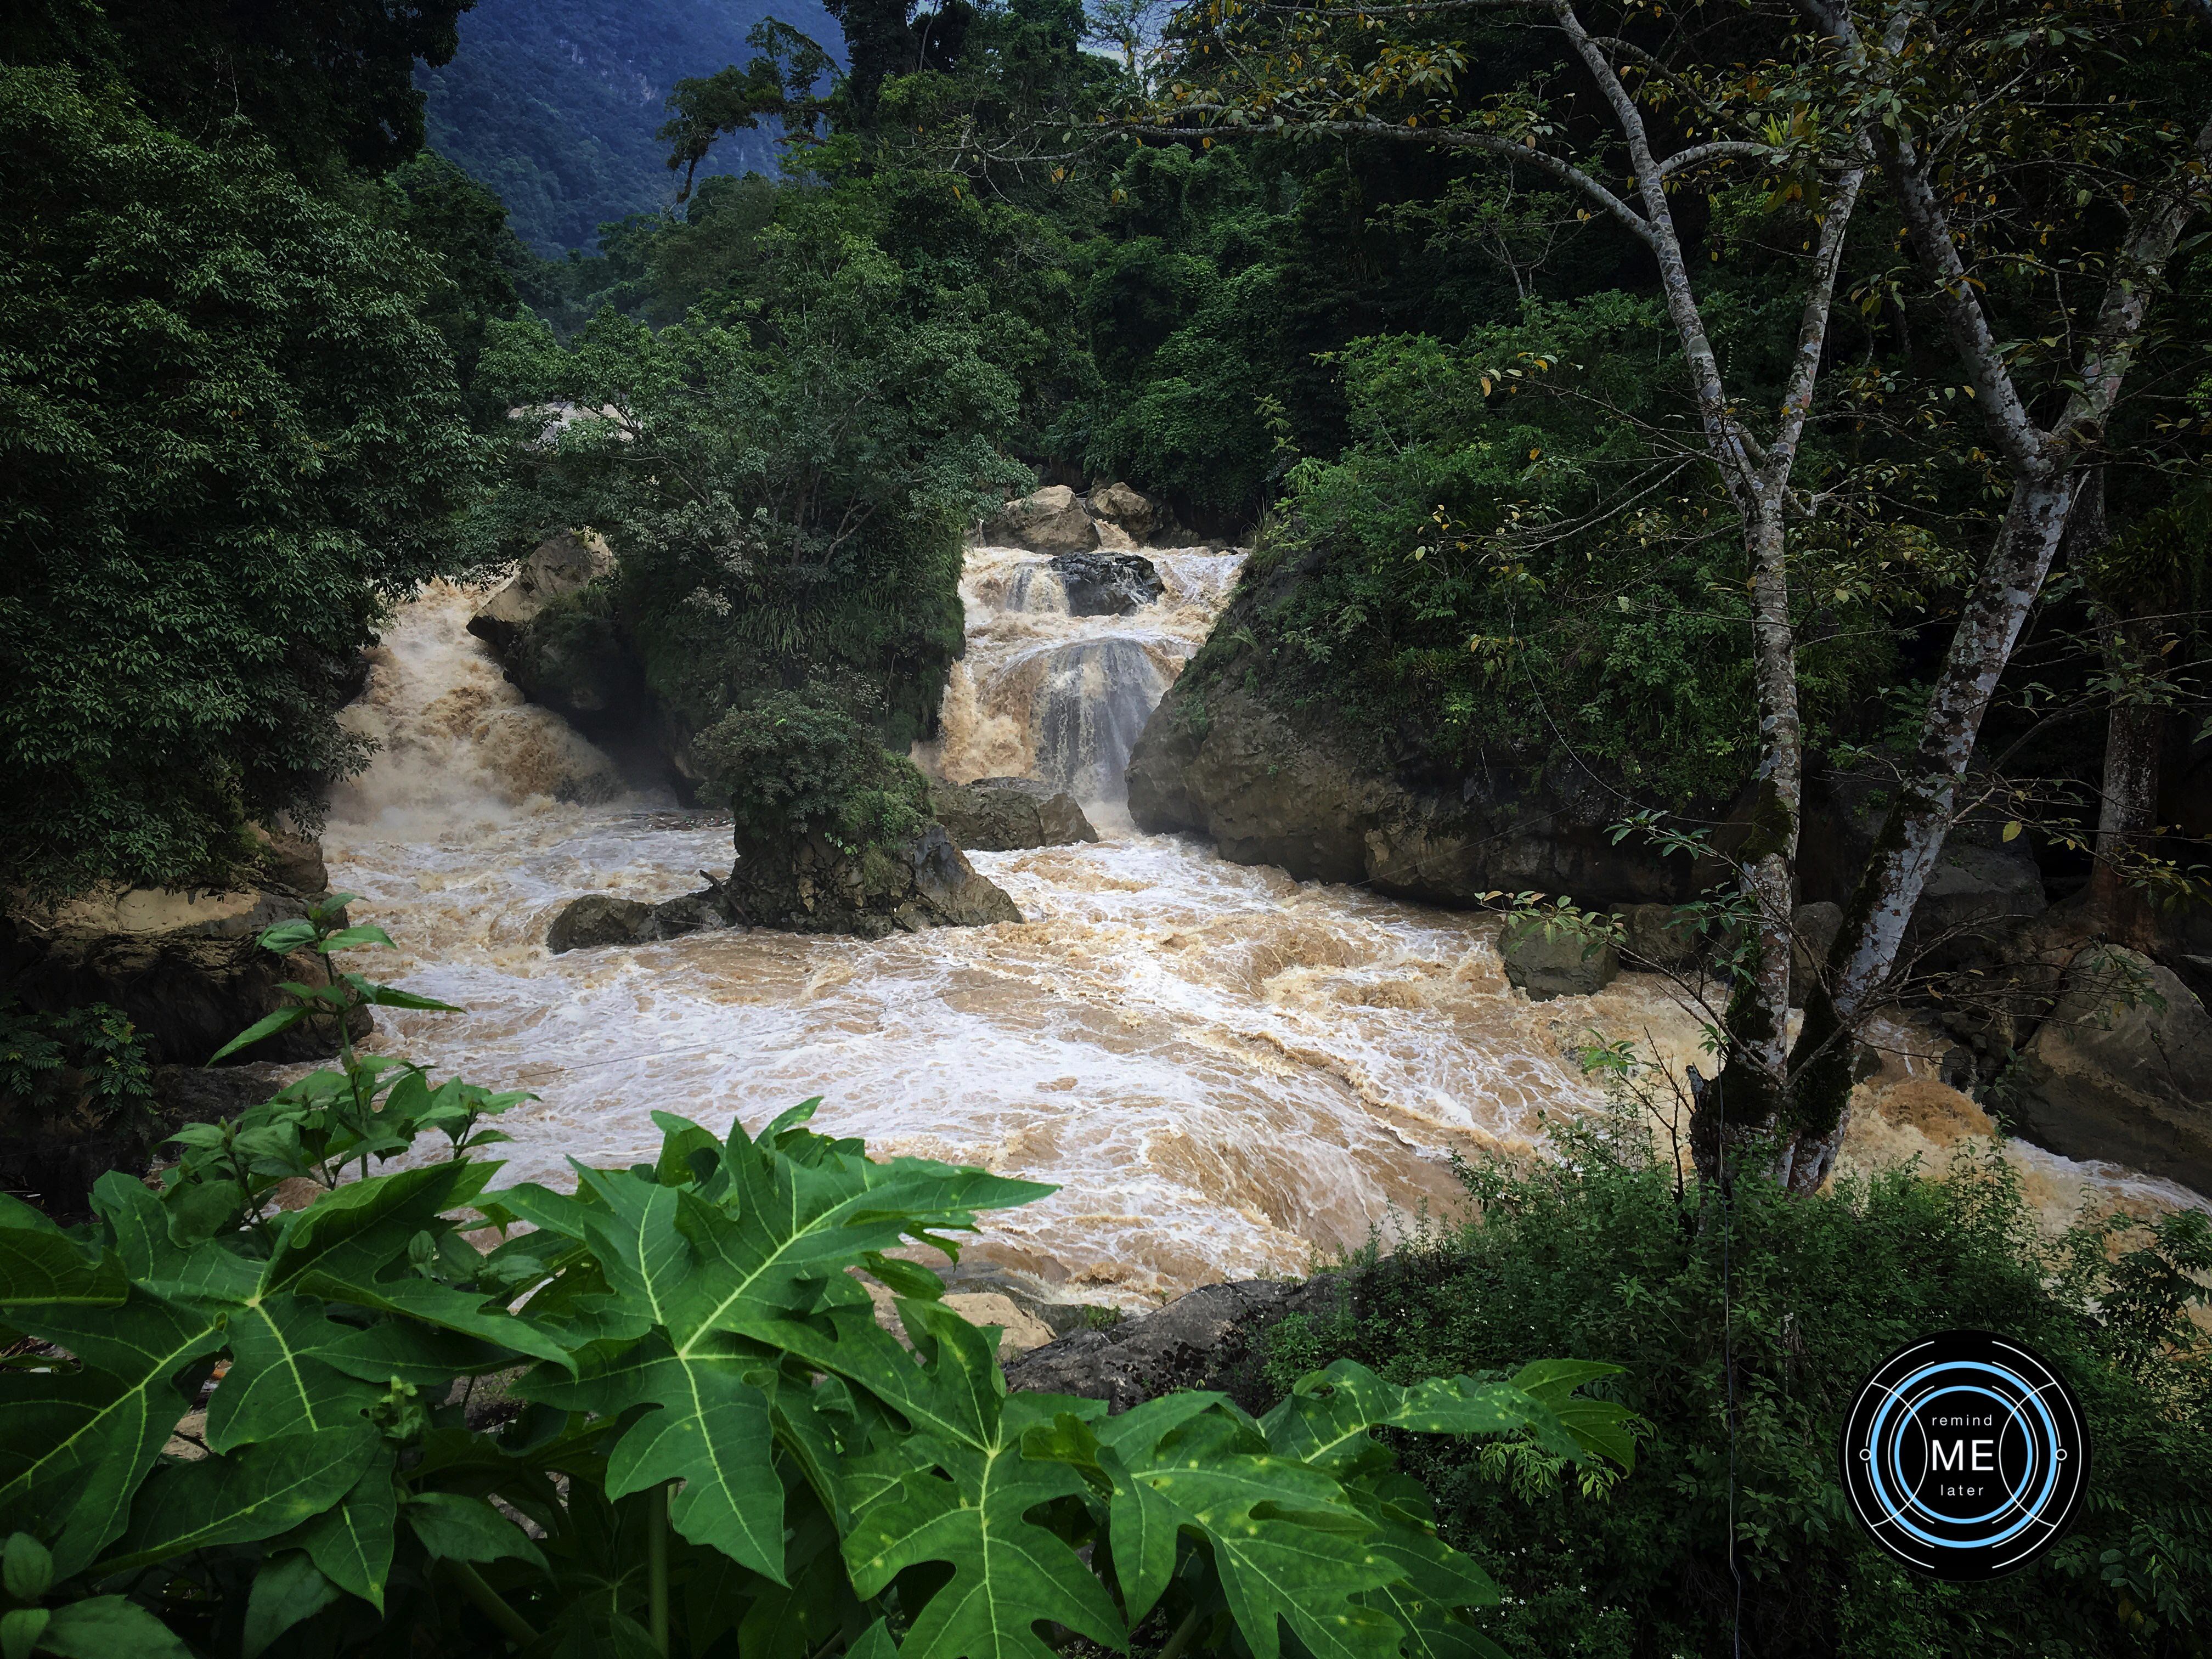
492,1603
1181,1639
656,1559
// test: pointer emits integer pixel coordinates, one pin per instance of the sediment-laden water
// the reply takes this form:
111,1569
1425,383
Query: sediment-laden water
1225,1071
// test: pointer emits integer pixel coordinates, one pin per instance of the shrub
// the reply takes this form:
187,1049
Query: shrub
707,1443
1599,1257
792,767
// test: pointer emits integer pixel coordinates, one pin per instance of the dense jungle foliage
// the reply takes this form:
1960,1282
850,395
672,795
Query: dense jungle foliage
1745,1392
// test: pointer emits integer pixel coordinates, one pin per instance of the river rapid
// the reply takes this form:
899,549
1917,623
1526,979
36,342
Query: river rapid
1225,1071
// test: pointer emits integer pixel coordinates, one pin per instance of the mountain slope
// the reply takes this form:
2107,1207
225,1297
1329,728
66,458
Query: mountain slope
554,103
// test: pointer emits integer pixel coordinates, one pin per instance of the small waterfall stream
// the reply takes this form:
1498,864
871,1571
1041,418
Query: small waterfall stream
1042,694
1224,1071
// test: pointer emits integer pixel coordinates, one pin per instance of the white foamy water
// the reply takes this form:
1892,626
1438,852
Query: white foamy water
1042,694
1224,1071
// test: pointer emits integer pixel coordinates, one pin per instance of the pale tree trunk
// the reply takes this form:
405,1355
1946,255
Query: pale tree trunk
1864,960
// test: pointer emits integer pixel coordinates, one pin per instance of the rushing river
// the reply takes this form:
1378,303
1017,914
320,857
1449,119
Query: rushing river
1225,1071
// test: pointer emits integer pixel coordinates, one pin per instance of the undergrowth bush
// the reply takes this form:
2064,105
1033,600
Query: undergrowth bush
1601,1256
233,1423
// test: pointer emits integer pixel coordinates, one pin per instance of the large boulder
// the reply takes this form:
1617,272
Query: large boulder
1197,1340
1813,930
563,564
1049,521
1654,936
183,966
1137,516
602,919
1981,883
810,885
1001,815
1553,959
1218,759
2120,1069
1106,584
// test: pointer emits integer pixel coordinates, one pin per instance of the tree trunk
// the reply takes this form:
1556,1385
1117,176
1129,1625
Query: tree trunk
1864,960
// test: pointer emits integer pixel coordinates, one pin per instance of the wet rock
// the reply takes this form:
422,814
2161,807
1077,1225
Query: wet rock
1106,584
183,966
1130,511
1000,814
1981,882
1972,889
564,563
1654,936
1551,960
2121,1069
1191,1342
1813,929
810,886
601,918
1049,521
1218,759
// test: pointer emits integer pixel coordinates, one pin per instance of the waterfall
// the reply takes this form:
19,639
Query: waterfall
1060,698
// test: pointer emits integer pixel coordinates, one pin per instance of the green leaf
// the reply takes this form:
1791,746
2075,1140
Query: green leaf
110,1627
256,1492
1288,1546
1328,1418
288,1590
277,1384
287,937
462,1528
709,1428
347,939
79,1442
267,1026
350,1543
1008,1573
464,1312
44,1267
26,1567
20,1630
390,996
350,1233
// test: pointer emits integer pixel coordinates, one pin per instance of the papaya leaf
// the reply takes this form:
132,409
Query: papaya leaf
288,1590
277,1383
79,1444
350,938
44,1267
1008,1572
254,1493
1327,1419
109,1627
351,1544
1287,1544
455,1527
710,1428
430,1303
350,1233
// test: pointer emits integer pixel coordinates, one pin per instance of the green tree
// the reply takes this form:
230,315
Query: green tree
226,434
786,477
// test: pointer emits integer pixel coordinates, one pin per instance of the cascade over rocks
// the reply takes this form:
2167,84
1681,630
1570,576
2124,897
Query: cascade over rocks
1055,519
183,965
1002,815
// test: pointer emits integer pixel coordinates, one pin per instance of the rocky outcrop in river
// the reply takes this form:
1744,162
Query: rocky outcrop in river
808,885
183,966
1002,815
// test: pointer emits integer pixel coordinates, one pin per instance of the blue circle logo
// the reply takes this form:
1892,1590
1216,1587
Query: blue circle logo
1965,1455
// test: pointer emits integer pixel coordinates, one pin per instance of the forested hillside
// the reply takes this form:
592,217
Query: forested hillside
554,103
